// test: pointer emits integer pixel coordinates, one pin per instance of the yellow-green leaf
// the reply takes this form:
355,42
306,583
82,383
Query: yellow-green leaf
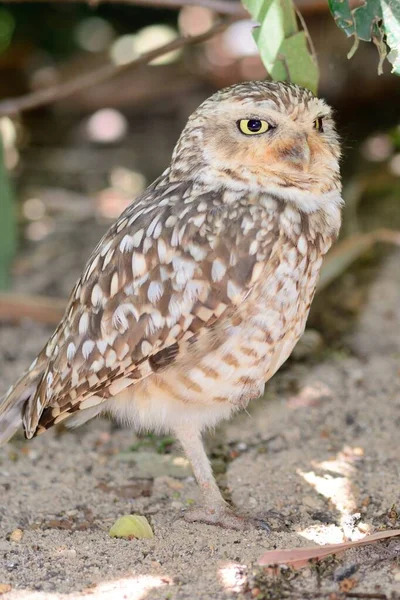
131,526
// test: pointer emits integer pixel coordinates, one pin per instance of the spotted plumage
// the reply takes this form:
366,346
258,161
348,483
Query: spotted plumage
199,292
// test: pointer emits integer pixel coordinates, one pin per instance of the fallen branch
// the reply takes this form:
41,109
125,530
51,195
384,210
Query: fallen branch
13,106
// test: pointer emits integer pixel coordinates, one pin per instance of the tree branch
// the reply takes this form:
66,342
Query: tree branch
13,106
16,307
223,7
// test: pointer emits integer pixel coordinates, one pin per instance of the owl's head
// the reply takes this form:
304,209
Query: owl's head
265,136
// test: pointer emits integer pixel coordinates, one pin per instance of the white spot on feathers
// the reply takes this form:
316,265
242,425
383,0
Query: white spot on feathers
71,351
87,348
139,265
155,291
83,323
111,358
234,292
119,318
218,270
184,269
102,345
146,348
108,258
126,244
97,295
114,285
302,245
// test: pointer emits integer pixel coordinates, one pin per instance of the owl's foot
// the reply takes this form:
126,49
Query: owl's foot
222,516
214,510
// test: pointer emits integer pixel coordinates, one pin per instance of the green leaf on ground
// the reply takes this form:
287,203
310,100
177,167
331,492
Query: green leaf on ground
131,526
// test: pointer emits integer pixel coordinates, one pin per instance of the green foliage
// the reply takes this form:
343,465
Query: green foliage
161,443
7,26
7,223
377,21
283,47
391,20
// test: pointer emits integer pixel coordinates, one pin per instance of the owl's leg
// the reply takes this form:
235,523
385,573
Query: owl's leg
214,509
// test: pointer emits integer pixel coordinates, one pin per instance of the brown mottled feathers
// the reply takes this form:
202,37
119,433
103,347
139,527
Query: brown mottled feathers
177,261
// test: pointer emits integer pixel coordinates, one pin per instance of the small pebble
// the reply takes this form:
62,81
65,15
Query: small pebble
345,572
4,588
241,446
16,535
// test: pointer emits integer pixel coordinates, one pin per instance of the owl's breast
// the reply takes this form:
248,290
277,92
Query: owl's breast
277,310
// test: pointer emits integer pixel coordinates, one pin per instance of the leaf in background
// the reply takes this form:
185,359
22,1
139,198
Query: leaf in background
377,21
283,48
366,17
7,27
343,16
391,21
7,222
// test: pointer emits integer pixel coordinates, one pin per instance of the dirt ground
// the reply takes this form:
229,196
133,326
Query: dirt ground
317,458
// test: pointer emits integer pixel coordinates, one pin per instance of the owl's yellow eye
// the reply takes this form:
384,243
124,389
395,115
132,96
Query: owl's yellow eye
253,126
318,125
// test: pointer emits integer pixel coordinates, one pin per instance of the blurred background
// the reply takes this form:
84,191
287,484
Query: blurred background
73,165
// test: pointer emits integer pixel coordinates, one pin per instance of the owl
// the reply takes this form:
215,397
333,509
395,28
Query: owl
198,293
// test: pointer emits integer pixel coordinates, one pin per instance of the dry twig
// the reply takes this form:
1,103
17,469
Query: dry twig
13,106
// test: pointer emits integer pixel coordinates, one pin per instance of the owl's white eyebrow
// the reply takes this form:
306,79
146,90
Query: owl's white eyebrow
260,104
266,104
258,117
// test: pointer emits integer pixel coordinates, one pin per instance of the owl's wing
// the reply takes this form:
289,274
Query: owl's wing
167,270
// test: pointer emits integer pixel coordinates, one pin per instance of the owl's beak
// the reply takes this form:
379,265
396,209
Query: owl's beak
296,151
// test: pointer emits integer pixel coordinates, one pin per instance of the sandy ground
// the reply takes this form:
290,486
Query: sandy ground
317,458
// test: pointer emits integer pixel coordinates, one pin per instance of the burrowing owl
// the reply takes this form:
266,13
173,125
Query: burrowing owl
198,293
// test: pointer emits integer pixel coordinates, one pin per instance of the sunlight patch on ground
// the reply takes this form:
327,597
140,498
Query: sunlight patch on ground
233,577
323,534
335,484
337,489
134,588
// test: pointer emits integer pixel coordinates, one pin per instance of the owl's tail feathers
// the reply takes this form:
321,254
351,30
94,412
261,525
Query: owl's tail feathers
13,403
